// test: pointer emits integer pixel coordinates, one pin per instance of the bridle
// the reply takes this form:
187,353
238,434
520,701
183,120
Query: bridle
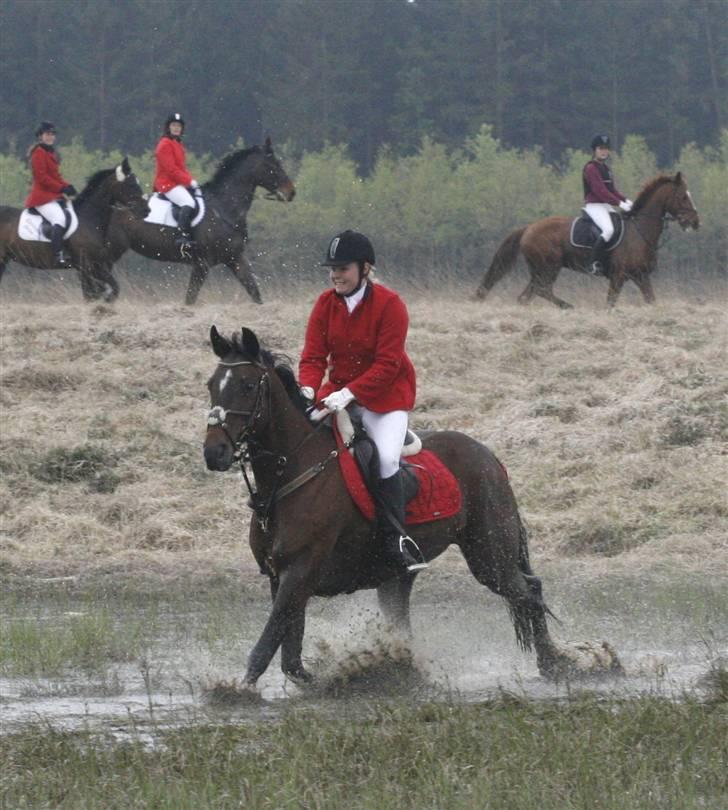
666,217
217,416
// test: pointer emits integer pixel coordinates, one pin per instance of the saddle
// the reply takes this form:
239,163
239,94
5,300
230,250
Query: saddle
431,490
584,233
34,227
164,212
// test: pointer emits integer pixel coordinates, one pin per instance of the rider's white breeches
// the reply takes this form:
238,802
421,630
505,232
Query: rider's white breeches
388,432
180,196
599,214
53,212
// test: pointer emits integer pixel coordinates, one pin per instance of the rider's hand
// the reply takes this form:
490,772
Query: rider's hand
308,393
338,400
626,206
194,184
69,191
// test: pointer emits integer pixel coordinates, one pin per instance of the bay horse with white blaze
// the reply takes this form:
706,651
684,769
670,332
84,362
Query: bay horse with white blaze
310,539
221,236
546,246
108,191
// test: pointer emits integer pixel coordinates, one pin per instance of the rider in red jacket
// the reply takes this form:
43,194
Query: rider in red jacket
49,187
172,178
357,333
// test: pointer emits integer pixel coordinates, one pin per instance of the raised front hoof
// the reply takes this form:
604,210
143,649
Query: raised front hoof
299,676
582,660
232,693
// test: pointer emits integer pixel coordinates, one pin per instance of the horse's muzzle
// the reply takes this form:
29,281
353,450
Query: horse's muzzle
218,457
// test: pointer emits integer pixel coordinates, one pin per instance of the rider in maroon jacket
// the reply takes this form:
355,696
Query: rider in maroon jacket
49,188
356,333
600,199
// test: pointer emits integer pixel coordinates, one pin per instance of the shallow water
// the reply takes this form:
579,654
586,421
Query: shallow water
666,628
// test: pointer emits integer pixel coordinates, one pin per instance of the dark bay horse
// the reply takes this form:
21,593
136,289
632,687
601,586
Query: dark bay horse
310,539
108,191
222,234
546,246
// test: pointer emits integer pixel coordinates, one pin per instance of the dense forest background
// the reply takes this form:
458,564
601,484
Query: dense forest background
366,73
435,125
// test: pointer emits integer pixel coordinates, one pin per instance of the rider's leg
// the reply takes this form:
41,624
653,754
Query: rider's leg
54,213
388,431
598,258
181,197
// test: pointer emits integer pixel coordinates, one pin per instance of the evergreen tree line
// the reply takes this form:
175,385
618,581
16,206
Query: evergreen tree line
366,73
438,212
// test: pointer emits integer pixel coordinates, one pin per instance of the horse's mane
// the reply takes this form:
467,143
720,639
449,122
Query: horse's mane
282,366
92,184
226,166
648,190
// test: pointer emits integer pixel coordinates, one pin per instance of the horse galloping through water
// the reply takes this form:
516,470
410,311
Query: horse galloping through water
108,191
546,246
221,236
259,414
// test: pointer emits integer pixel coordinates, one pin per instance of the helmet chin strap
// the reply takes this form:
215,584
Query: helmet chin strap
362,279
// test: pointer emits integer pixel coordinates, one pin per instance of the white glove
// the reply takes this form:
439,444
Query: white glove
194,184
339,400
308,392
626,206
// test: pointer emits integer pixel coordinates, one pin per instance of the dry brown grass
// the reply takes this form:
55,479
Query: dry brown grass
613,426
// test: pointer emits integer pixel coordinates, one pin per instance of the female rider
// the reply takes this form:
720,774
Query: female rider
357,332
49,188
600,197
172,178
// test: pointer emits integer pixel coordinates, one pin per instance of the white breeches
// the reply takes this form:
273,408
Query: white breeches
599,214
53,212
388,432
180,196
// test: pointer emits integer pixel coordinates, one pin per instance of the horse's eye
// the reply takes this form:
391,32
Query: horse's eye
247,387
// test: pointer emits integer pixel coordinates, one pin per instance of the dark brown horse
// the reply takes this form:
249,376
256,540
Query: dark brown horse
310,539
546,246
222,234
107,191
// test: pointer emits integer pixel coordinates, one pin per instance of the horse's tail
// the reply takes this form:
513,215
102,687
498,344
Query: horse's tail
503,260
528,612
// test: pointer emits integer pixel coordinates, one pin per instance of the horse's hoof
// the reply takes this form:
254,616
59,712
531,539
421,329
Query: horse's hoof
582,660
300,676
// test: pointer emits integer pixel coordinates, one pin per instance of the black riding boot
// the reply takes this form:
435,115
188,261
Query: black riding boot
59,257
598,260
184,223
396,546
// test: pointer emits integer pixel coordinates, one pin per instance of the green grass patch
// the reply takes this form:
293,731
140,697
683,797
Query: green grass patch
508,753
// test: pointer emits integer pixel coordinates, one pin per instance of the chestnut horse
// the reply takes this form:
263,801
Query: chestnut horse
310,539
107,191
221,236
546,246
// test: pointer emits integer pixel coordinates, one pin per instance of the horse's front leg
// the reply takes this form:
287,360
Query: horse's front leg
243,272
200,270
292,644
288,615
394,602
616,282
644,284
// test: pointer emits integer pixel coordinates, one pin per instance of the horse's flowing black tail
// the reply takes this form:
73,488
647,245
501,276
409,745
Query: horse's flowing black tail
503,260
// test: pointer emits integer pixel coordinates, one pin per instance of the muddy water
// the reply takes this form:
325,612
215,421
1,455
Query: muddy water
667,627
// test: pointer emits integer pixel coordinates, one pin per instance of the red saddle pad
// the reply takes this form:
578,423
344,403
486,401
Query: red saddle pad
438,496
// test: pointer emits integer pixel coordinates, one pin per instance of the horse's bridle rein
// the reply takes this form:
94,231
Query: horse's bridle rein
217,417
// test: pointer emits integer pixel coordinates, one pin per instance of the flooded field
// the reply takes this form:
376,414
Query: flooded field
124,659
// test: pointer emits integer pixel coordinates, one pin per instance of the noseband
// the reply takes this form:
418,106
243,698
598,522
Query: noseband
217,416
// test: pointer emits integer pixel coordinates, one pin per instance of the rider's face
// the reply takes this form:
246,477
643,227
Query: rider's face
48,138
602,152
345,278
175,128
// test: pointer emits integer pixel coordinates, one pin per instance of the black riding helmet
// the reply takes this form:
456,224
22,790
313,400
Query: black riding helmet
346,247
172,119
600,140
45,126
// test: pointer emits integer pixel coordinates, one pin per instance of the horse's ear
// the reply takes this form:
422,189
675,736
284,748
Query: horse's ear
677,179
268,145
250,343
125,167
220,346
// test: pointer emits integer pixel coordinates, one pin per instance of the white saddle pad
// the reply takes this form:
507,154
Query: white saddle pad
30,226
160,210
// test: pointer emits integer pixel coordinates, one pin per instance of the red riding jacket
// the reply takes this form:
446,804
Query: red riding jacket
363,351
171,168
48,184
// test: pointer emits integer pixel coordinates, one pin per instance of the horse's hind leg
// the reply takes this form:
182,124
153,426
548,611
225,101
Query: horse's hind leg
394,602
243,272
527,294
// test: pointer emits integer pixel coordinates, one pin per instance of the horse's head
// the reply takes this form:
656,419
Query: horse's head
126,190
271,175
680,204
239,390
